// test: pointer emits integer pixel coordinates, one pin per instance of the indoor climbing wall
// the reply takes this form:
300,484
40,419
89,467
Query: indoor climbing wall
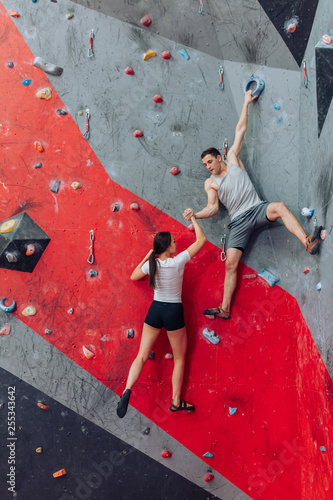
103,119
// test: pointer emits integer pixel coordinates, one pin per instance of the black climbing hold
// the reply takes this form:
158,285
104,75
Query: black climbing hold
10,64
146,431
62,112
115,208
324,72
47,331
151,355
2,405
92,273
130,333
55,187
37,165
48,67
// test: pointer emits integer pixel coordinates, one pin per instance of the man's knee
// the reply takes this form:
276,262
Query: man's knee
231,264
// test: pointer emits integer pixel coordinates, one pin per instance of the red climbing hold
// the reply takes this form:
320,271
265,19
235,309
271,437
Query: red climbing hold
138,133
175,171
292,27
166,54
306,270
166,454
168,355
146,20
6,329
129,70
135,207
14,13
326,39
158,98
209,477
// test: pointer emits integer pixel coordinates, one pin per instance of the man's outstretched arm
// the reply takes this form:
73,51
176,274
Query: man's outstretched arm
210,209
241,127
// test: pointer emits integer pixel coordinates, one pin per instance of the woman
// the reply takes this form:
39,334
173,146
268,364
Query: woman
166,277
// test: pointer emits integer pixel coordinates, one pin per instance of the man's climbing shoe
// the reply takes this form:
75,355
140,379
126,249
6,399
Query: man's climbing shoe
123,404
313,241
183,406
217,311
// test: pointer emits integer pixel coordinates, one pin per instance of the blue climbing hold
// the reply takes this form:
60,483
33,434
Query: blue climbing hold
276,106
208,455
232,411
6,309
269,277
184,54
322,448
279,120
259,88
26,82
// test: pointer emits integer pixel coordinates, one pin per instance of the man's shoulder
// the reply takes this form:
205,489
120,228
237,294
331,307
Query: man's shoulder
210,183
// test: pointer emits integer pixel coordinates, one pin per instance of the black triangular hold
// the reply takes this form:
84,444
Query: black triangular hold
324,72
281,11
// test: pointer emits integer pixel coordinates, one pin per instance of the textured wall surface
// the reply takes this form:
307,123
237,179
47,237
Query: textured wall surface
274,360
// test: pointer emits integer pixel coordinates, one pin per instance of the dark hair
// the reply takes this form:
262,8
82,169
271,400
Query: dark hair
162,241
211,151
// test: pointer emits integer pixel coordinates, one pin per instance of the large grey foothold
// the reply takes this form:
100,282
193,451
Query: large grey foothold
48,67
62,111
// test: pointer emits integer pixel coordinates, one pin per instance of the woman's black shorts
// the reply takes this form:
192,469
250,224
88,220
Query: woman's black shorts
166,314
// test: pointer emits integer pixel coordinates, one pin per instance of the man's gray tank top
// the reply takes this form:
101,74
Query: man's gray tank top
236,191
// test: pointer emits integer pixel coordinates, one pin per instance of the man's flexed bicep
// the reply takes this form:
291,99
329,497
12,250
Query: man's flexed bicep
212,206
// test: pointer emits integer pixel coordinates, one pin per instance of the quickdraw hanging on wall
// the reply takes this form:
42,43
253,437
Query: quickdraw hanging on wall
221,84
201,7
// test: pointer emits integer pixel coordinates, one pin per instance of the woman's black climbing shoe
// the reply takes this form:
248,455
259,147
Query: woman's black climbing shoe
313,241
123,404
183,406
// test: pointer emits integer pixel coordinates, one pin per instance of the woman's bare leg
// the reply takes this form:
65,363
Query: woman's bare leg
178,341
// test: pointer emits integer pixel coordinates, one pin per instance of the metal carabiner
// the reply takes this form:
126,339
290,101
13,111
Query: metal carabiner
221,84
90,259
223,254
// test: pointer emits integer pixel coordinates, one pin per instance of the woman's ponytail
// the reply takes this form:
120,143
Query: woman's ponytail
162,241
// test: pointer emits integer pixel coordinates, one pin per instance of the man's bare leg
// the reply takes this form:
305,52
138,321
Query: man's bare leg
279,210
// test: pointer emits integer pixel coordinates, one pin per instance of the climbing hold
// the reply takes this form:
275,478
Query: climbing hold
326,39
70,311
175,171
211,336
292,27
135,207
61,111
322,448
11,257
59,473
92,273
34,1
130,333
151,355
69,16
48,67
13,13
76,185
168,355
208,455
259,88
29,311
323,234
232,411
8,309
37,165
184,54
55,187
129,70
42,406
80,113
138,133
88,354
146,20
47,331
146,431
26,82
115,208
276,106
166,54
2,405
158,98
318,286
39,450
31,249
5,330
45,93
306,270
249,276
8,226
166,454
307,212
38,147
209,477
10,64
269,277
147,55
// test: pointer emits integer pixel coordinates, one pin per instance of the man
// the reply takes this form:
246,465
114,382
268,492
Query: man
230,184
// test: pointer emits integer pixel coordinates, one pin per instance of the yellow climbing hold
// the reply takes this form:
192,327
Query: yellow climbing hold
39,450
76,185
8,226
45,93
29,311
69,16
80,113
148,54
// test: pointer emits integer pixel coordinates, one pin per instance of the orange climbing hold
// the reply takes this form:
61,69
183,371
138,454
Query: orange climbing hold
175,171
6,329
42,406
38,146
14,13
138,133
158,98
326,39
146,20
166,454
59,473
292,27
166,54
148,54
88,354
30,249
209,477
129,70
